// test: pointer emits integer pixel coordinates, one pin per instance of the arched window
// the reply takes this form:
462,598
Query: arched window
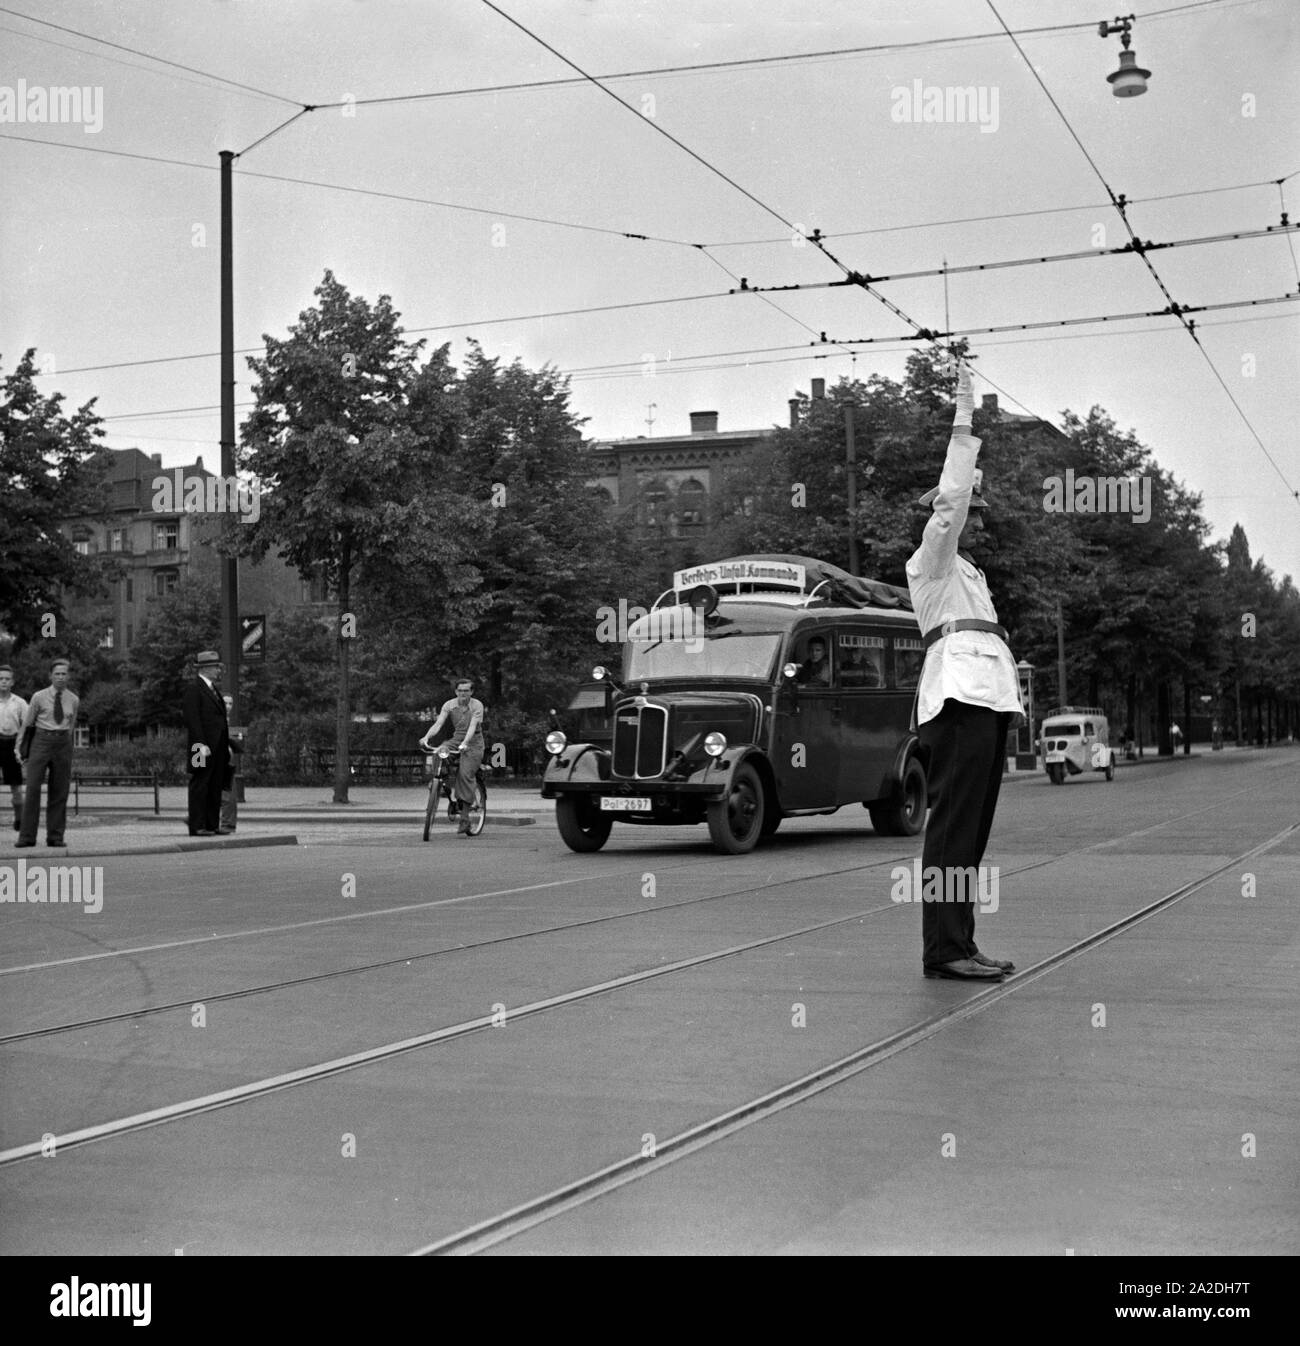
692,503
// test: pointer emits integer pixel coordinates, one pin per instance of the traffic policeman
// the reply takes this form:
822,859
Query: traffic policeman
967,697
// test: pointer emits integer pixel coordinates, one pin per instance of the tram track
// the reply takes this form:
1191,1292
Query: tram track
489,1233
323,1070
186,1002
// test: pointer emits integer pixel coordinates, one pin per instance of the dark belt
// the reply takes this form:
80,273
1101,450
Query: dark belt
964,624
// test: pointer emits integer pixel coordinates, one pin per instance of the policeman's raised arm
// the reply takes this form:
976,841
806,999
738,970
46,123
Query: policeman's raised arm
951,506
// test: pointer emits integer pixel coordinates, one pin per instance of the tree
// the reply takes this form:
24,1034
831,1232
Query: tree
343,477
54,470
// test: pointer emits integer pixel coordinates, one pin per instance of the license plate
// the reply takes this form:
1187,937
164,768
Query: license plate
624,804
1055,757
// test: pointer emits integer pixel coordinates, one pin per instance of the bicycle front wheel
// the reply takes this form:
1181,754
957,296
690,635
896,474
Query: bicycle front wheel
431,808
476,813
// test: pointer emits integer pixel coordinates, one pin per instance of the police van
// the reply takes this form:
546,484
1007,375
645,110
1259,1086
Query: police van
1076,739
756,689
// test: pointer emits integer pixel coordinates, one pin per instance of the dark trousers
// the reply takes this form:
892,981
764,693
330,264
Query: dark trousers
52,752
205,792
967,756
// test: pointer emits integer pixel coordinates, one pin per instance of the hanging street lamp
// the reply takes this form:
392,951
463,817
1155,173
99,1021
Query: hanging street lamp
1130,79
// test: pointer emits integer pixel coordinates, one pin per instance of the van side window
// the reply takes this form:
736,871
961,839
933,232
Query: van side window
813,655
1087,729
862,660
909,656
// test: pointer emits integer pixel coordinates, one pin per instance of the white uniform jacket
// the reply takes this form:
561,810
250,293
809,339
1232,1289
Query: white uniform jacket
971,666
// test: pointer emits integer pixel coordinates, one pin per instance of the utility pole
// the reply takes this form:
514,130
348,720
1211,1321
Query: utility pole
650,417
851,453
231,645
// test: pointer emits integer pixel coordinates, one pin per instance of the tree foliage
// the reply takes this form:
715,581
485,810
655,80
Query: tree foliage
53,469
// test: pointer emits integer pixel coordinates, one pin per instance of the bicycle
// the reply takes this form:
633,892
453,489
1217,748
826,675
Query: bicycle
445,764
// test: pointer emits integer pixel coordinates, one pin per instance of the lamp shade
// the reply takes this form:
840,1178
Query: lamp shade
1130,79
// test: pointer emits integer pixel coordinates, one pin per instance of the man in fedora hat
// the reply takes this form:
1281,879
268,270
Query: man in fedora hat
968,693
209,743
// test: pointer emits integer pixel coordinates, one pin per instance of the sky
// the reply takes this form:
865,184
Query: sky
107,260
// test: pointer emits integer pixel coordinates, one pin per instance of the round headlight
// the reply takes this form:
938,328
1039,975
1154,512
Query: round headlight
444,750
599,673
715,744
555,742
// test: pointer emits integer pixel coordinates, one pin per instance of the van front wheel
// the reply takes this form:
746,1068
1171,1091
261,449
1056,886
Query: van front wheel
583,827
736,820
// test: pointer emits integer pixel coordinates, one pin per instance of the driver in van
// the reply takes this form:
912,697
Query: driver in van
968,695
815,671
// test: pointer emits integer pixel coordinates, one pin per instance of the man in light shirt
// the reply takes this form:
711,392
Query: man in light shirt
13,709
968,695
53,716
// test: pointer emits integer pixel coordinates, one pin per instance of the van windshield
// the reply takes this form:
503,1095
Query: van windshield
1064,730
725,654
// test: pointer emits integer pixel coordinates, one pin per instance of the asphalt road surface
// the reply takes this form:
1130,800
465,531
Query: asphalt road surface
369,1044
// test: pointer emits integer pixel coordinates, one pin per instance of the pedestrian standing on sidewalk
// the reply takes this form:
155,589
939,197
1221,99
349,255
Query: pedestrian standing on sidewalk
51,718
12,711
208,743
967,697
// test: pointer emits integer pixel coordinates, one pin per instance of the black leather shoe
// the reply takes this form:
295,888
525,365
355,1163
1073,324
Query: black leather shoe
54,841
965,969
985,961
21,842
203,832
224,831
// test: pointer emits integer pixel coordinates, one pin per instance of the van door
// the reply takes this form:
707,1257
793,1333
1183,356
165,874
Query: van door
872,717
806,752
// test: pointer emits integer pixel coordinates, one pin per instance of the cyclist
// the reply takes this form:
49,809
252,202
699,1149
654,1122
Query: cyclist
466,714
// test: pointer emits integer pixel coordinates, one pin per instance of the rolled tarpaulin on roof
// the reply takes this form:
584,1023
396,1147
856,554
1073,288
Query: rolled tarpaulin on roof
842,589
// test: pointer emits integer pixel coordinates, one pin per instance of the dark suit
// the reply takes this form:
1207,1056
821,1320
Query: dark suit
205,722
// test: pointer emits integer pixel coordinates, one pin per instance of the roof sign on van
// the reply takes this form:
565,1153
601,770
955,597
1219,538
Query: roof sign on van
775,573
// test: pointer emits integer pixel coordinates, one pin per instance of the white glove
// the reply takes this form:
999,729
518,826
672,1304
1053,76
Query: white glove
965,398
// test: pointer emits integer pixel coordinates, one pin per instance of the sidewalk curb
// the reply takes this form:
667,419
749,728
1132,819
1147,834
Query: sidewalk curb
179,846
412,819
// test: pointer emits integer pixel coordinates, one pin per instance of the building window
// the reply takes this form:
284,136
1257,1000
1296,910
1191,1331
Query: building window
654,499
82,546
116,539
106,640
692,499
166,536
164,582
130,634
130,591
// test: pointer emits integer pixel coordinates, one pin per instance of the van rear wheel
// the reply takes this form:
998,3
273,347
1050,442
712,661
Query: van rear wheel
583,827
904,815
736,820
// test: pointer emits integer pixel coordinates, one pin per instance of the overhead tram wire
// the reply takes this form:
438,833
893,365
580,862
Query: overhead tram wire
763,62
1266,232
904,341
605,229
148,56
1119,204
815,238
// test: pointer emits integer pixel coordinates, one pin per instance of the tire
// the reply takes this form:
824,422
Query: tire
1056,773
771,819
431,808
736,821
478,809
904,815
582,825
